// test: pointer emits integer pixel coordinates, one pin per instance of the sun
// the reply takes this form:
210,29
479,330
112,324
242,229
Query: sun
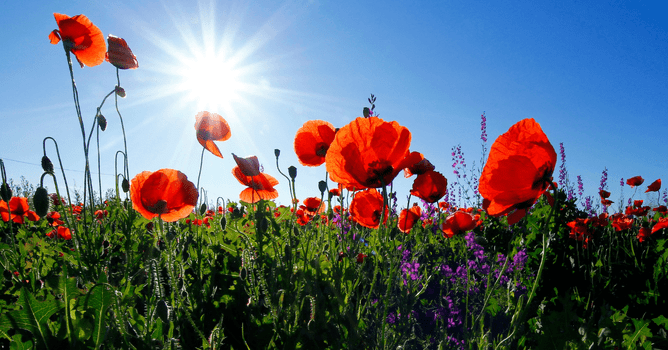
211,81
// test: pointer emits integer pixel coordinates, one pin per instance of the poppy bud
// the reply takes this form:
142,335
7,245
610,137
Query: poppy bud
322,186
292,171
223,223
202,209
5,192
119,91
277,152
47,166
41,201
125,185
162,309
287,250
262,225
366,112
102,122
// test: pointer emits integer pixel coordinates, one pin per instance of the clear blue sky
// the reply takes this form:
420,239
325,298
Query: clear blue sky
594,75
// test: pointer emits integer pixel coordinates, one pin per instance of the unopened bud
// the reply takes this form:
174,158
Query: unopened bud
322,186
366,111
119,91
125,185
5,192
41,201
202,209
47,166
102,122
292,171
277,152
223,223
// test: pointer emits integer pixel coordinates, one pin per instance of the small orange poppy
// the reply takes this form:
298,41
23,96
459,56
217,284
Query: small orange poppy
518,170
259,187
249,166
366,207
430,186
119,53
661,224
166,193
368,153
459,222
313,206
312,142
81,37
211,127
408,218
19,208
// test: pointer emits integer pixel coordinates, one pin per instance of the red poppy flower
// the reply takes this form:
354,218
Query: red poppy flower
259,187
643,234
366,208
654,186
443,206
459,222
211,127
119,53
662,209
368,153
600,221
430,186
81,37
661,224
302,217
64,233
621,222
312,142
579,231
19,208
249,166
53,218
313,206
408,218
518,171
635,181
166,193
417,164
606,202
604,194
360,258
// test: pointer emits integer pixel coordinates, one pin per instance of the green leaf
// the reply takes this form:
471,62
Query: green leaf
32,316
99,299
18,344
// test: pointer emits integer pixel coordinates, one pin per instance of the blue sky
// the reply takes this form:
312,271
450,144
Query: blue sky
593,75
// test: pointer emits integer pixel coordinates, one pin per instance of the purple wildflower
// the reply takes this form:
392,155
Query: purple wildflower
604,180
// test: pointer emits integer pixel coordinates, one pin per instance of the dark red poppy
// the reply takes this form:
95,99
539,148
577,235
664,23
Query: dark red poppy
302,217
360,258
408,218
20,210
654,186
621,222
368,153
417,164
459,222
635,181
81,37
119,53
643,234
580,231
606,202
430,186
366,208
211,127
249,166
604,194
601,220
259,187
53,218
662,209
661,224
166,193
312,142
518,171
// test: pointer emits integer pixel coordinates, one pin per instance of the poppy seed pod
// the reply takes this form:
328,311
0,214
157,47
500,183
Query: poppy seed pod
292,171
102,122
322,186
366,112
47,166
41,201
5,192
125,185
277,152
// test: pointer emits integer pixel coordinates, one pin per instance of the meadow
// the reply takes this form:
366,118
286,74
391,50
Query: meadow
502,256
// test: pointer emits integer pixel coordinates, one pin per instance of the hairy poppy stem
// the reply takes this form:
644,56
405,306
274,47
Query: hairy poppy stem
125,143
60,162
201,162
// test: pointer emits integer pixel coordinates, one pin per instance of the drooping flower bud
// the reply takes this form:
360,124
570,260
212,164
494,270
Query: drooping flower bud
119,91
223,223
322,186
47,166
202,209
41,201
292,171
125,185
366,112
5,192
102,122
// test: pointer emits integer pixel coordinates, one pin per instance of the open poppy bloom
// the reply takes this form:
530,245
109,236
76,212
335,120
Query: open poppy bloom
579,231
459,222
430,186
643,234
119,53
366,208
249,166
312,142
604,194
20,210
166,193
408,218
259,187
417,164
654,186
661,224
518,170
211,127
368,153
621,222
313,206
635,181
81,37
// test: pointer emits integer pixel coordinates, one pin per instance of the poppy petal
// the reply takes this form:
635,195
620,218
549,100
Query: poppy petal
211,127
